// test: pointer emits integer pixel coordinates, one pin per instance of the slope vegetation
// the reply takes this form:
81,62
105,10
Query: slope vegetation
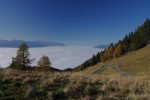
133,63
35,85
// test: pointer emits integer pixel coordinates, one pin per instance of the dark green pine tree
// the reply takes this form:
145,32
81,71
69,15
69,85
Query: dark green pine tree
126,44
21,61
130,36
85,64
147,27
94,60
98,57
139,38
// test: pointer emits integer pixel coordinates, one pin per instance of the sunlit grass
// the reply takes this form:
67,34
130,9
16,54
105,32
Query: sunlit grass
46,85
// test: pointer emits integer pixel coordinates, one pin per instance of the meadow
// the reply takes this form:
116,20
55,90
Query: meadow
39,85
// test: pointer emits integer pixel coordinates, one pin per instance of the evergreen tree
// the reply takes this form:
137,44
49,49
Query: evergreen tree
146,26
98,57
126,44
94,60
44,63
139,38
102,56
21,61
85,64
130,37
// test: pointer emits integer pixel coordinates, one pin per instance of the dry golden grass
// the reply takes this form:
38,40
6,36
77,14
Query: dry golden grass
16,84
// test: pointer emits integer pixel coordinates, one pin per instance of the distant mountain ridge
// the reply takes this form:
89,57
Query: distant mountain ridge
15,43
101,46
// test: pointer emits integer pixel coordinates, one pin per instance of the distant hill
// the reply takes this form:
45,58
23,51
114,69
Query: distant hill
15,43
101,46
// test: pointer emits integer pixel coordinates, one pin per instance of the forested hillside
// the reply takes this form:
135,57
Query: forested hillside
131,42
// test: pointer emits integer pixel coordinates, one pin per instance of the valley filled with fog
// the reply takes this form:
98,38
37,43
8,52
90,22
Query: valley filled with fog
62,57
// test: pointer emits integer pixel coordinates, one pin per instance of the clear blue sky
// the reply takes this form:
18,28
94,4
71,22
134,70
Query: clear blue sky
71,21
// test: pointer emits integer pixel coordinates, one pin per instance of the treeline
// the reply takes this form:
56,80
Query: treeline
131,42
22,61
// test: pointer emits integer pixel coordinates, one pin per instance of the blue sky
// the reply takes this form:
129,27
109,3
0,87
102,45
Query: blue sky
88,22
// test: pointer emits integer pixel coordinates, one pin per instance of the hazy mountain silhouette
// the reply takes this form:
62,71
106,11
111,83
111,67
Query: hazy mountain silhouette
15,43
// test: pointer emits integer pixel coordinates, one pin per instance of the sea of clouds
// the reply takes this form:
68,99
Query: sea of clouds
62,57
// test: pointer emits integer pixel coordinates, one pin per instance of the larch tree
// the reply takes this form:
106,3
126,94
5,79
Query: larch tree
21,61
44,63
108,54
110,51
118,51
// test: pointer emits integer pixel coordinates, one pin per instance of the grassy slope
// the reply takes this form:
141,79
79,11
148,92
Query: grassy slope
134,63
34,85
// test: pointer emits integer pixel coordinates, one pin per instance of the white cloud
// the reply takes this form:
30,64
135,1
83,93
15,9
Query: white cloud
61,57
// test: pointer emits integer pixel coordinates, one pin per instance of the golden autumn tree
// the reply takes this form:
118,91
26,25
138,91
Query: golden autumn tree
108,53
118,51
103,56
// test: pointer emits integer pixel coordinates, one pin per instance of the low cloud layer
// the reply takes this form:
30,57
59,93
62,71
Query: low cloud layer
61,57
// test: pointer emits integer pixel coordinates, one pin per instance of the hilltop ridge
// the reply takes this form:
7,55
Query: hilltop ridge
131,42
